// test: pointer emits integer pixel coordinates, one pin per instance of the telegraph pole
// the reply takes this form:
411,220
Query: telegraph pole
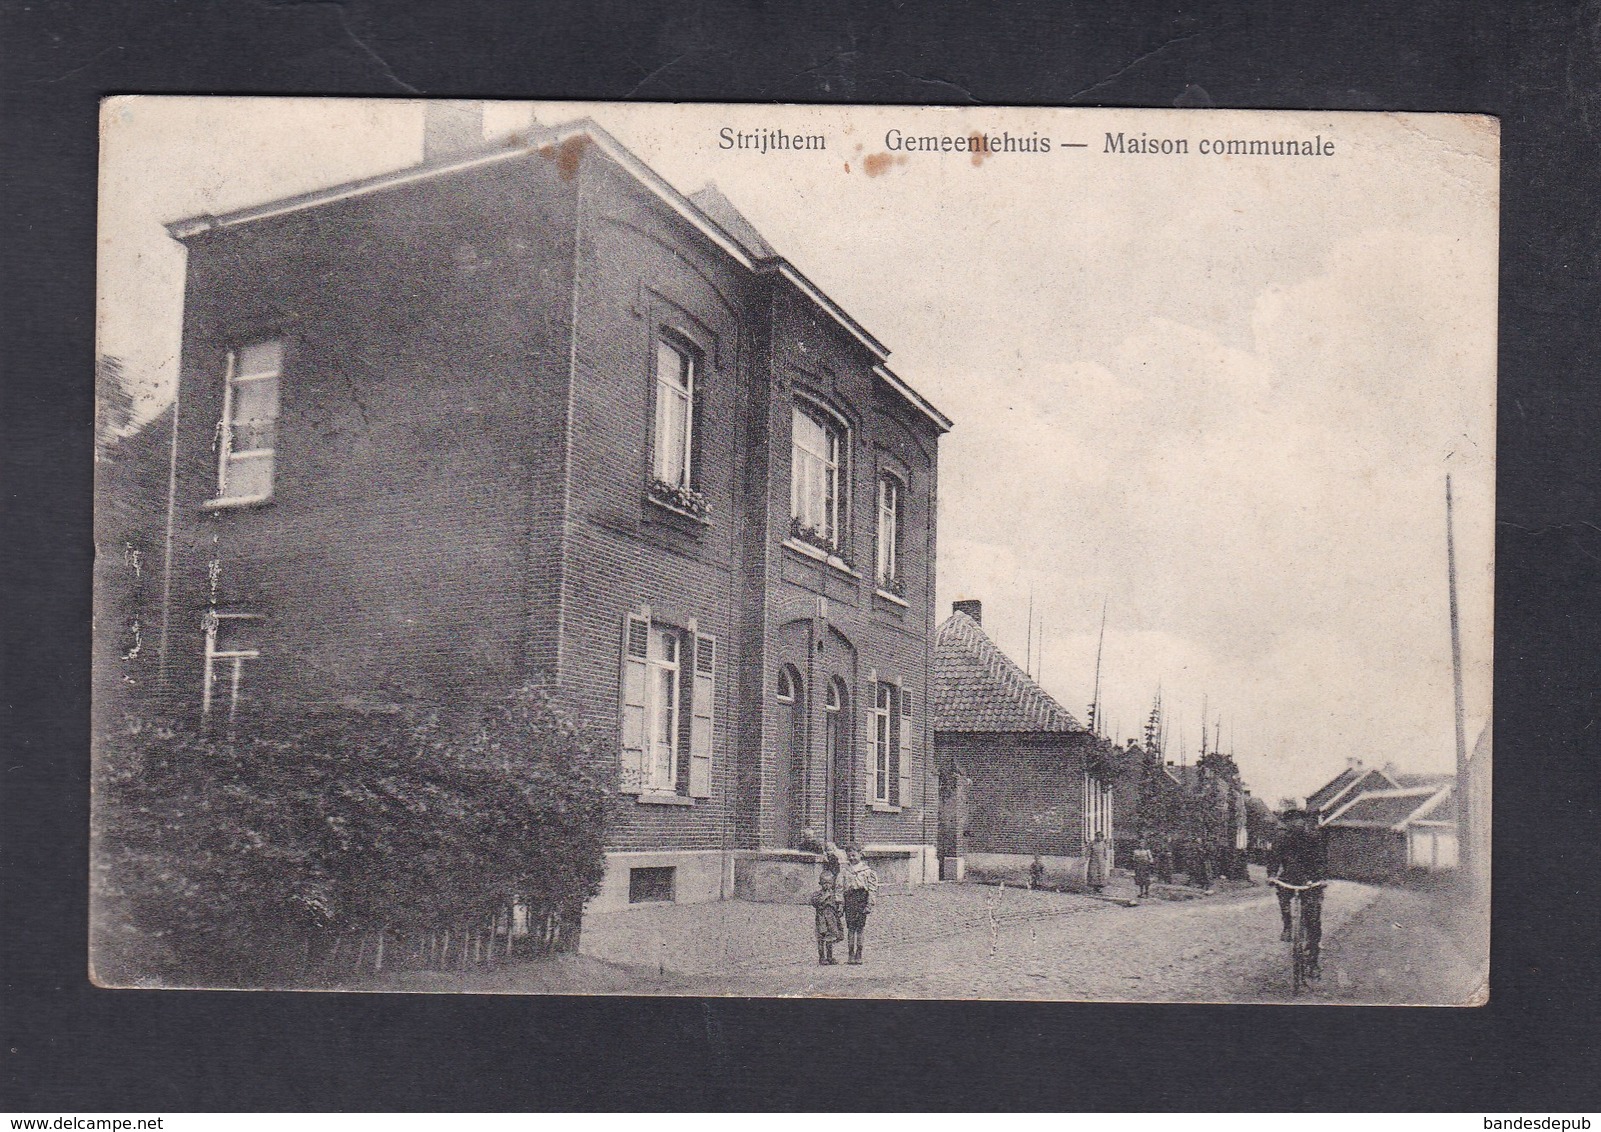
1464,817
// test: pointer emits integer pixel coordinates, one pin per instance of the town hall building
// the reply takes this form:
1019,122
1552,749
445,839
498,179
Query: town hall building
527,412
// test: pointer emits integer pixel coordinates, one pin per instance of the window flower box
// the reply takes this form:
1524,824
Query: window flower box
683,499
801,532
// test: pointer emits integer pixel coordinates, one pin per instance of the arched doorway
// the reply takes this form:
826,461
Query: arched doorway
837,749
789,787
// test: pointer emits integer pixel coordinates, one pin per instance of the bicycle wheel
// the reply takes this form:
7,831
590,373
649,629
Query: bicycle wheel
1298,963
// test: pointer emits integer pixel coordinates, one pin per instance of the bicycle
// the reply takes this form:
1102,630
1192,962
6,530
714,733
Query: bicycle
1300,961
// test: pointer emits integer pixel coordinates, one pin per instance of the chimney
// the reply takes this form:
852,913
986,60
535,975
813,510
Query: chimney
1352,763
451,129
974,609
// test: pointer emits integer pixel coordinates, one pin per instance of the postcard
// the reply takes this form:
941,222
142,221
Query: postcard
843,551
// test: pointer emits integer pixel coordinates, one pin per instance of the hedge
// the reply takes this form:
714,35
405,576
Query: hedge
285,848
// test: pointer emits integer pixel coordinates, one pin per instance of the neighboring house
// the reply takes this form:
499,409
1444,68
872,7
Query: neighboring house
1022,776
1388,835
530,413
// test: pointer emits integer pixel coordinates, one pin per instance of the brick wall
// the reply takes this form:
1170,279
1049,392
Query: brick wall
1026,795
864,635
411,534
642,271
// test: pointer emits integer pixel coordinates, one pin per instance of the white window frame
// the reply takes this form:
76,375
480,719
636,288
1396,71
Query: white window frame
227,455
232,662
673,398
827,471
889,526
664,779
886,739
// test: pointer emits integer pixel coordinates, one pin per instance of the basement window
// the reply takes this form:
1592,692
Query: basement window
651,886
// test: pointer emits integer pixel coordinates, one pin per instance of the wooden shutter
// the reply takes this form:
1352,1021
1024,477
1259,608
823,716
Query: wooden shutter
635,738
902,783
868,744
701,721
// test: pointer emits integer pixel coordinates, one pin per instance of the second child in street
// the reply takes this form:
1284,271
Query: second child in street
1144,862
861,890
825,903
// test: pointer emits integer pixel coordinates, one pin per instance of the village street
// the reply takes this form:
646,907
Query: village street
978,941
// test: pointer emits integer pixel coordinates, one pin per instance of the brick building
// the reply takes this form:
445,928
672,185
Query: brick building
528,412
1022,777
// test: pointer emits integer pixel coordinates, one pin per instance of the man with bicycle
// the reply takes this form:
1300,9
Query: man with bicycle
1300,859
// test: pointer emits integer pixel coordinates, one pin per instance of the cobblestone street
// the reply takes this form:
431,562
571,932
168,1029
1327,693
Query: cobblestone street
972,941
1380,946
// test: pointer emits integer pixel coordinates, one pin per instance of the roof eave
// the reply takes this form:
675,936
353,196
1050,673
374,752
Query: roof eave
189,227
940,421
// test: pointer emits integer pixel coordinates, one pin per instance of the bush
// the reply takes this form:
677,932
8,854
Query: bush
251,859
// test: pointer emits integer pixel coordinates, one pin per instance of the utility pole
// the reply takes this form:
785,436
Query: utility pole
1464,816
1095,704
1028,656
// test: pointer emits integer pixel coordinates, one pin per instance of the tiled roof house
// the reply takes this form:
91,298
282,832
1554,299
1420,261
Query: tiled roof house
1020,775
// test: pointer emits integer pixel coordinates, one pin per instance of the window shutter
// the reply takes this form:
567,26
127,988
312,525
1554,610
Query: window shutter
903,783
701,718
868,745
636,645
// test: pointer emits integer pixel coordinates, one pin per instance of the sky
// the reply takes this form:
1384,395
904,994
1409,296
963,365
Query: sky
1218,396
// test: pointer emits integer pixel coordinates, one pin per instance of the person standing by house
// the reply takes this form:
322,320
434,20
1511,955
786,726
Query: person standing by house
1098,869
1144,862
1164,861
825,905
861,891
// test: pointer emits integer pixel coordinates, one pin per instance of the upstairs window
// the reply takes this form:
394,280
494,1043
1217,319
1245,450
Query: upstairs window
675,414
232,642
816,479
248,434
889,531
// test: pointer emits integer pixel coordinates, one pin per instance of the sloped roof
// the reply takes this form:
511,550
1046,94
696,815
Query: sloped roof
709,212
1384,808
977,687
1366,779
714,204
1316,800
1443,808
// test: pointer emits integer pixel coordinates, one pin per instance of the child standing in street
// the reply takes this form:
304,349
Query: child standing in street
861,889
825,901
1144,864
